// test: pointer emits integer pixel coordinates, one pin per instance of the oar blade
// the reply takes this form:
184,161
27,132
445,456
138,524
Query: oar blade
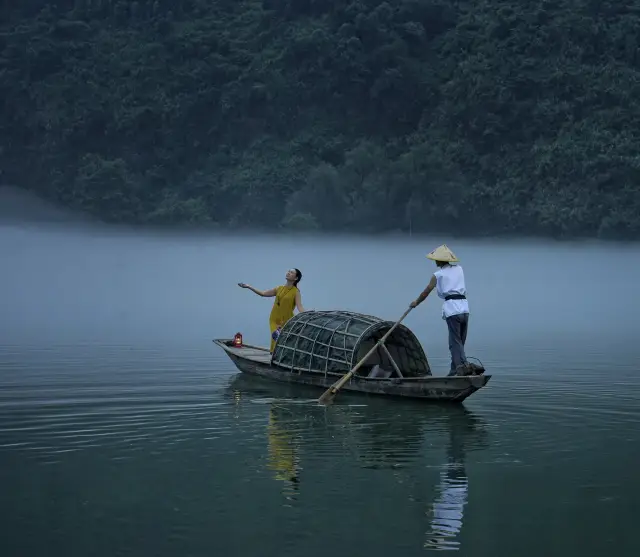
327,397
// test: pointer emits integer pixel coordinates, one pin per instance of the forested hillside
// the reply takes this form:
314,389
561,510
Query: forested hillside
474,117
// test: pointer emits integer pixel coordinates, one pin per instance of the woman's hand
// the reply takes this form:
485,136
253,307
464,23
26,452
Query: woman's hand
264,293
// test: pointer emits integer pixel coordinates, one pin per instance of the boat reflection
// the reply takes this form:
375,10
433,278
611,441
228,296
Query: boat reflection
398,436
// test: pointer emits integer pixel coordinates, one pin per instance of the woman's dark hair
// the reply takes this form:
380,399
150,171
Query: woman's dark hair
298,277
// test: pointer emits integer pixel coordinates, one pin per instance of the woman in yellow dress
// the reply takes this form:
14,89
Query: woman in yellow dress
288,298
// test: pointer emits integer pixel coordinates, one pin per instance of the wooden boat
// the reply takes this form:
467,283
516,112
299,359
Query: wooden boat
316,348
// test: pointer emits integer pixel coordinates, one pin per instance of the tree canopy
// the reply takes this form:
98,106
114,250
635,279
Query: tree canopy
470,117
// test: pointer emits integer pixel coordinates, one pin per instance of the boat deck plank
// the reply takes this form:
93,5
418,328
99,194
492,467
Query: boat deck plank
253,354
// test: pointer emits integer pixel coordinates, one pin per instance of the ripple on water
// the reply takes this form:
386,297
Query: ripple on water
68,398
62,399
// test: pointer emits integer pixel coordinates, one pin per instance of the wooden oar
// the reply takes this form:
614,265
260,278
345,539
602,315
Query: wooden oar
328,396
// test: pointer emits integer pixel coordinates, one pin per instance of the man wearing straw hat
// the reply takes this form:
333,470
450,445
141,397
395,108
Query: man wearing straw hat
448,281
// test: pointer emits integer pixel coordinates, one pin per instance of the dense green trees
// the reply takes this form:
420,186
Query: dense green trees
483,117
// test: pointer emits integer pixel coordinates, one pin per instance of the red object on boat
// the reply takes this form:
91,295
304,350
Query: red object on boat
237,340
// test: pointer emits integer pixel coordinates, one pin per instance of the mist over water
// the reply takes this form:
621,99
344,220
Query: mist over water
99,285
123,430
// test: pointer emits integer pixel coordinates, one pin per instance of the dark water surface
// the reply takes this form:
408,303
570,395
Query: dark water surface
124,431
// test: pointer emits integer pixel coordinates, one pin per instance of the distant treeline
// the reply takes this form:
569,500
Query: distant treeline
473,117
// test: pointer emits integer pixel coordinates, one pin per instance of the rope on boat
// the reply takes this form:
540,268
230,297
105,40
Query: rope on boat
477,359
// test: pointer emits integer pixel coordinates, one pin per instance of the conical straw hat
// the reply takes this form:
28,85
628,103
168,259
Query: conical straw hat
442,253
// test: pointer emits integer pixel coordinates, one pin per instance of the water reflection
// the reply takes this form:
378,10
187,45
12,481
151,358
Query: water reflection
446,512
283,454
404,438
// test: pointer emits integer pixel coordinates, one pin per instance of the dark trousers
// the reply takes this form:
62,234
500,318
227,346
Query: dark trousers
457,325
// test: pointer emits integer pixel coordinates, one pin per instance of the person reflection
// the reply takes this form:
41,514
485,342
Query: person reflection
446,511
283,456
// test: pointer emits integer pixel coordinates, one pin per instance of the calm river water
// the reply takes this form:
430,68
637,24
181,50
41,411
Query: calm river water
125,431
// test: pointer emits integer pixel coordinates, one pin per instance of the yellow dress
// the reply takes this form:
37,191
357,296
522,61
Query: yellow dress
282,309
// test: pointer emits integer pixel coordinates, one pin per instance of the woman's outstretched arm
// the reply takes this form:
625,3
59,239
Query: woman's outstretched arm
264,293
299,301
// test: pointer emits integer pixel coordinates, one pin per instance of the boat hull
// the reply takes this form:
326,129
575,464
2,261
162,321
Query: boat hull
430,388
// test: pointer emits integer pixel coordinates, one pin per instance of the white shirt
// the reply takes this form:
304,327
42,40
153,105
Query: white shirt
450,280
